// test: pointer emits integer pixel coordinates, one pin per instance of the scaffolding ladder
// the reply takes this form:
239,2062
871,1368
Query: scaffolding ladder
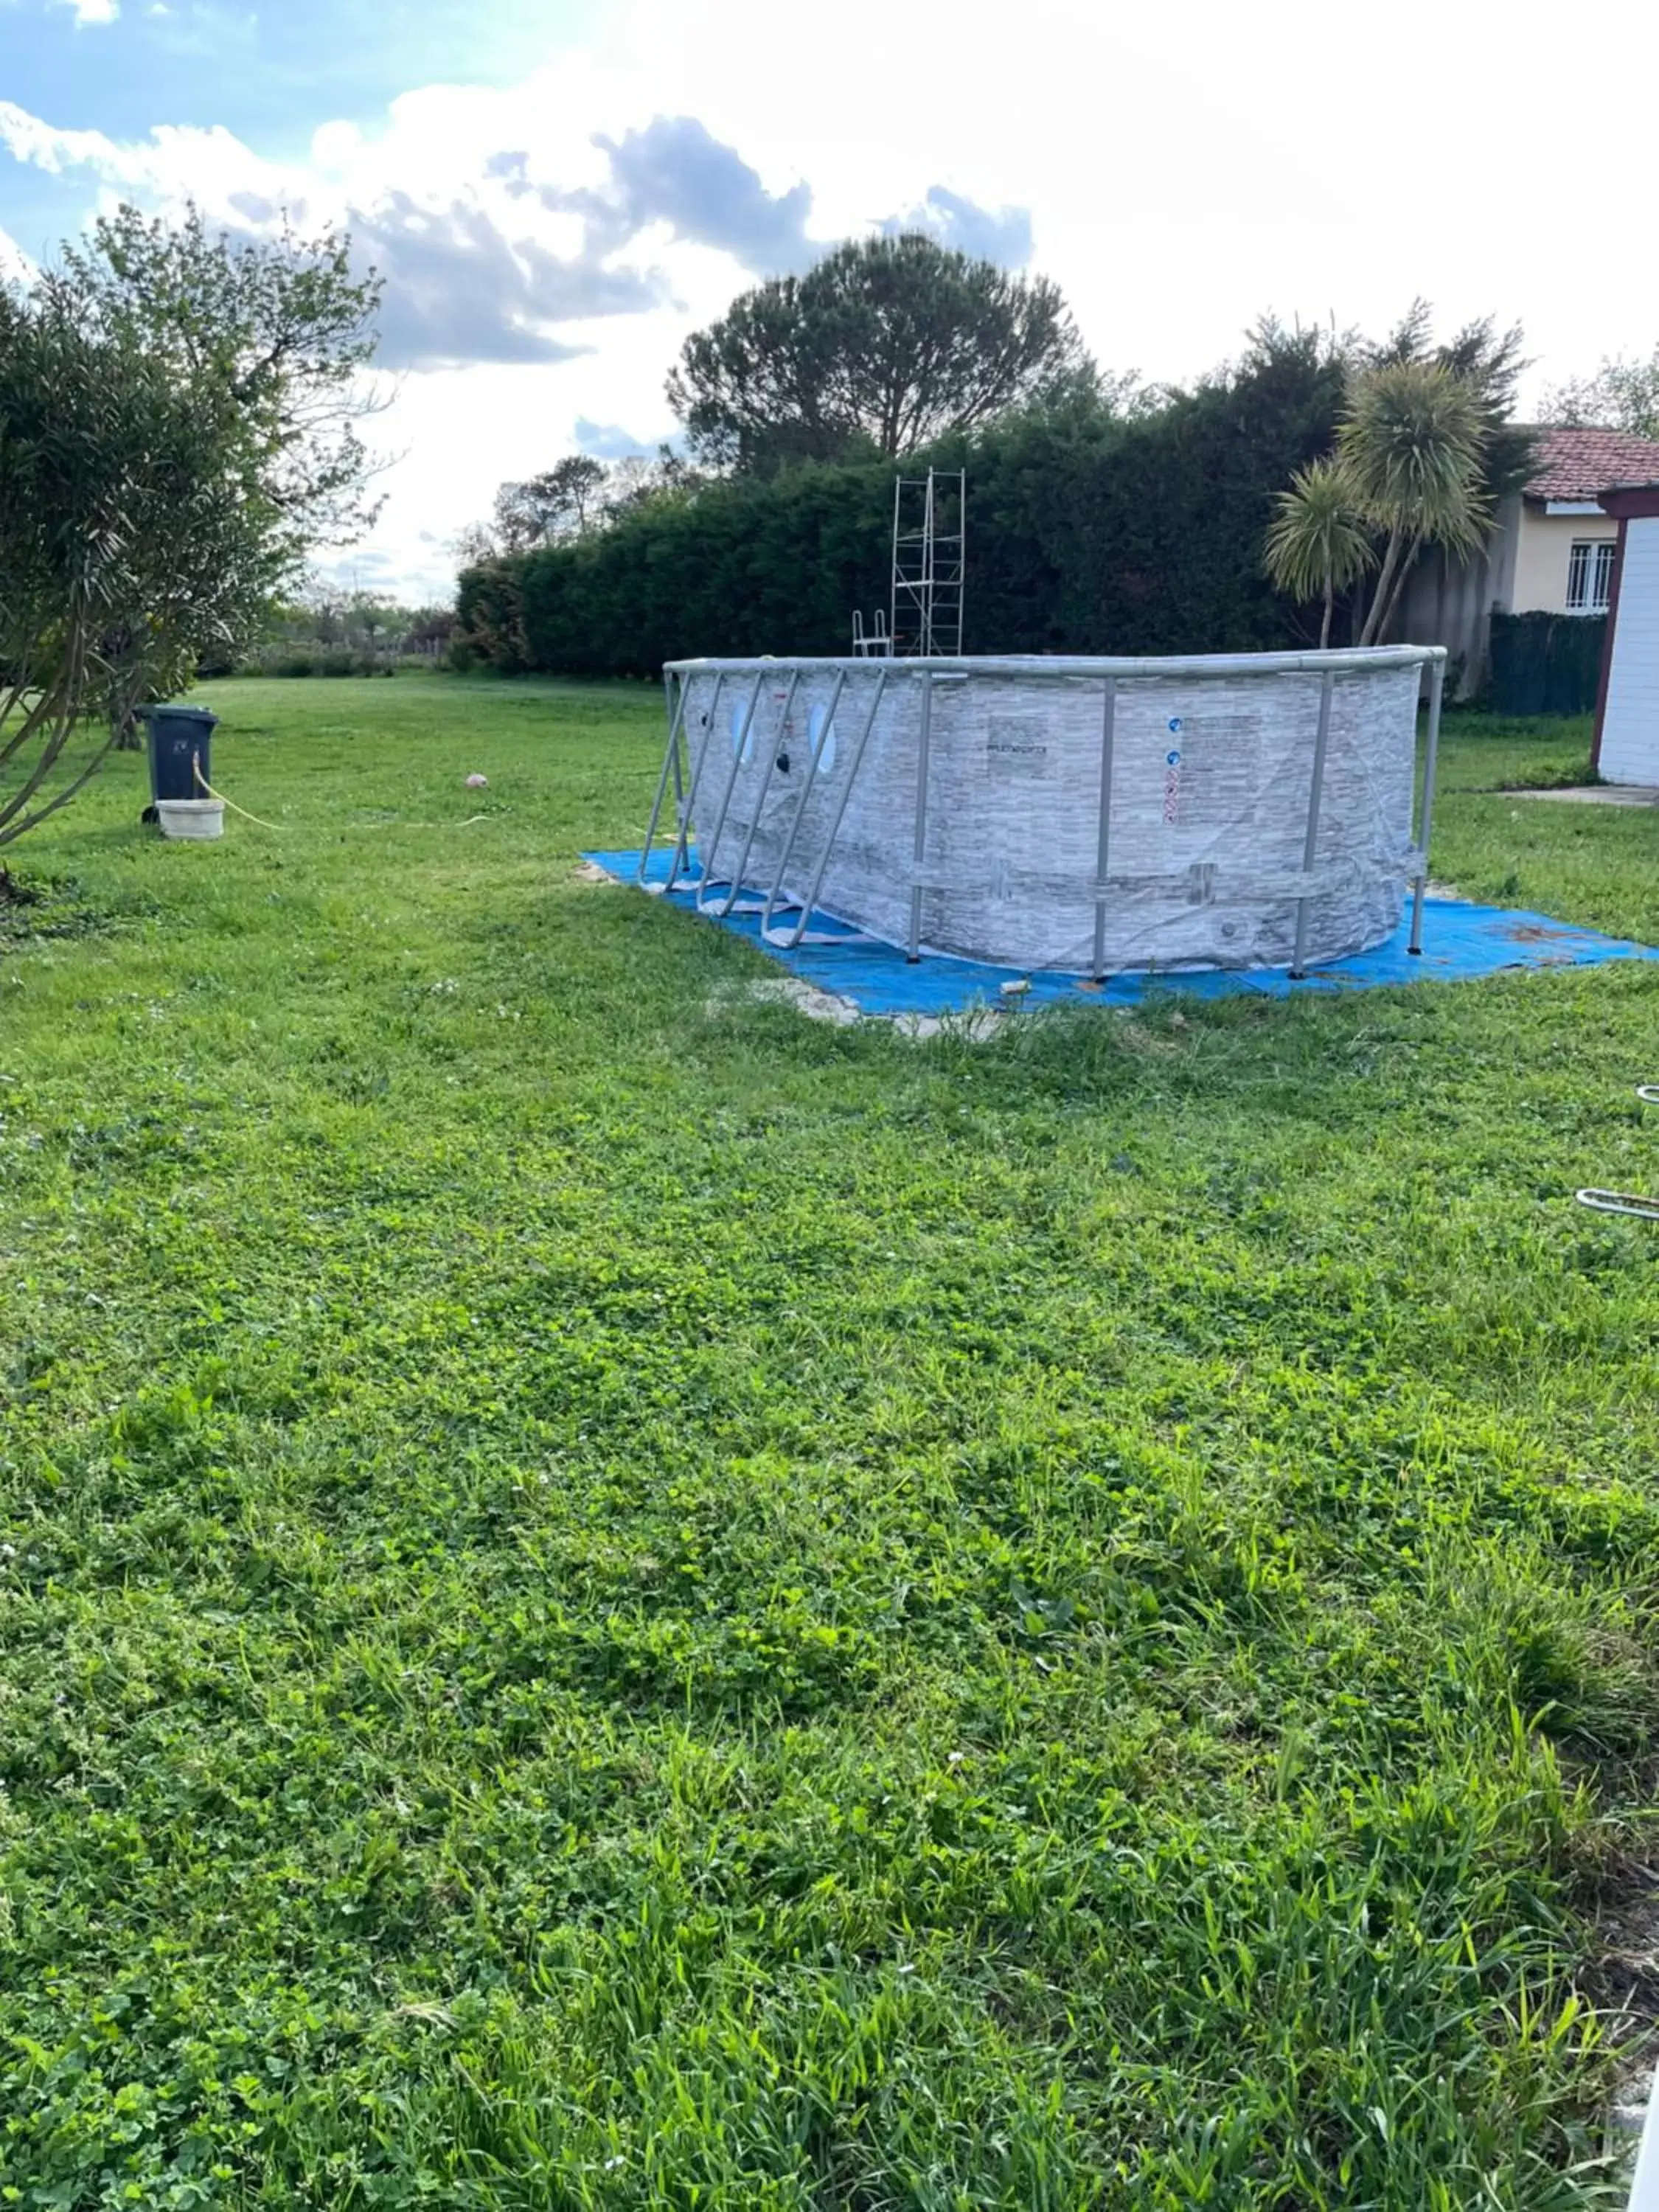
930,522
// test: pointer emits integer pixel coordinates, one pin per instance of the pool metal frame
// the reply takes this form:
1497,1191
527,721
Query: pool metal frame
928,674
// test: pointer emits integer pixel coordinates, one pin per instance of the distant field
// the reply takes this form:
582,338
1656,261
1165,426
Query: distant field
612,1598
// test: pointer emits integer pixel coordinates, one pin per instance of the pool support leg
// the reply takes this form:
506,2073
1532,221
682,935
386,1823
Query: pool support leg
670,761
1102,853
748,843
924,742
1431,754
808,781
737,751
840,810
677,859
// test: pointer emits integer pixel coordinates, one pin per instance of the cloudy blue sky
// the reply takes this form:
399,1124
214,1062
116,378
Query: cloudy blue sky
556,191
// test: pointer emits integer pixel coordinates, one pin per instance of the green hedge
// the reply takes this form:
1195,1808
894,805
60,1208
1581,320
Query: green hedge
1545,664
1086,533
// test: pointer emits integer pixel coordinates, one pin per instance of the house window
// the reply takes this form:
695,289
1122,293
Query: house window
1590,577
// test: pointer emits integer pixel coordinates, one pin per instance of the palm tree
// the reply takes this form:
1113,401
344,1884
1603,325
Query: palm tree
1412,442
1318,543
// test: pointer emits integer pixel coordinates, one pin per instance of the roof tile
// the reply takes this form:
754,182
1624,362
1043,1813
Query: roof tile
1578,463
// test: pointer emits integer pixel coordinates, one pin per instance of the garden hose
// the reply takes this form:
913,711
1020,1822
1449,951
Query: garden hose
1626,1201
1619,1201
256,819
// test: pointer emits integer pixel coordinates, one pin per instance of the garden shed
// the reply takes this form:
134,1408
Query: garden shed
1627,709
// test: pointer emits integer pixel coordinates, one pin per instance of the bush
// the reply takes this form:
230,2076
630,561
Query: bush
489,617
1087,533
313,660
1545,664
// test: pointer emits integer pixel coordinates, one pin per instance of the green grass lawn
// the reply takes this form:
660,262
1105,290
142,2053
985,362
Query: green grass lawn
613,1598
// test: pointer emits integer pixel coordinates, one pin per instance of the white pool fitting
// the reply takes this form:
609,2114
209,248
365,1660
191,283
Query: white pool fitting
1087,816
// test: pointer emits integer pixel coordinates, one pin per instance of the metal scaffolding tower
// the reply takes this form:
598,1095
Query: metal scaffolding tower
930,522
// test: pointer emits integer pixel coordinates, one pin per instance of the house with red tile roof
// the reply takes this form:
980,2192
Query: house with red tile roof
1551,551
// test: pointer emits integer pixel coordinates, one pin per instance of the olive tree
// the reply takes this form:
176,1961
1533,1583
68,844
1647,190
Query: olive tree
177,427
270,337
279,326
127,544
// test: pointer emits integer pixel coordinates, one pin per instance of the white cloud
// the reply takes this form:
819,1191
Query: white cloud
15,267
535,279
336,146
90,12
174,163
1184,169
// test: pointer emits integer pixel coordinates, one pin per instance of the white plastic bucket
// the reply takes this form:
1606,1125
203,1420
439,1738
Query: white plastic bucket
192,818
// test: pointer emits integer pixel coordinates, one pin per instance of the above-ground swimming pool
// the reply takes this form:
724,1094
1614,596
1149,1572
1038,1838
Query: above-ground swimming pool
1089,816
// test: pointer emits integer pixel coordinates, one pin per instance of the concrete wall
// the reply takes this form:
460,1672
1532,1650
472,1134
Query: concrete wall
1542,556
1450,603
1630,725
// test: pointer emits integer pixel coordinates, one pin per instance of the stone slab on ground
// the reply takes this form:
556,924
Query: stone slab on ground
1595,794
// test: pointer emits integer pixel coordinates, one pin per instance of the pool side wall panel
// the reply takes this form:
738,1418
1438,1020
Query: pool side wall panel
1211,781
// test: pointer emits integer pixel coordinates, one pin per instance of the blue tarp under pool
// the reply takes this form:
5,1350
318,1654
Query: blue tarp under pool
1460,941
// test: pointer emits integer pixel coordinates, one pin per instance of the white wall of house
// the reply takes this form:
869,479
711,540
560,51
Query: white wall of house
1543,557
1630,725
